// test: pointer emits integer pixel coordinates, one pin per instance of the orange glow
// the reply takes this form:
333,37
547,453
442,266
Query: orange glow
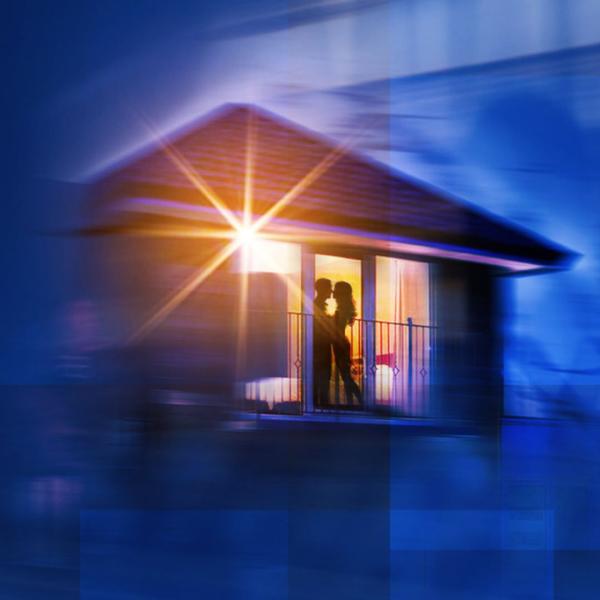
178,232
305,182
194,177
249,172
338,268
402,290
286,263
268,256
258,254
246,237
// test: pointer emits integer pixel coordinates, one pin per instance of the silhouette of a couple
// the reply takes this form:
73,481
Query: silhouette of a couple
329,333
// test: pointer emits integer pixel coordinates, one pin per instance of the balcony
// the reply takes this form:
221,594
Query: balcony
393,364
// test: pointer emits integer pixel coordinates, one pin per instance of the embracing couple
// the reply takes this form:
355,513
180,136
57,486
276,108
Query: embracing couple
329,333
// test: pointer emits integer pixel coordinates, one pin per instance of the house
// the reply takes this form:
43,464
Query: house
211,239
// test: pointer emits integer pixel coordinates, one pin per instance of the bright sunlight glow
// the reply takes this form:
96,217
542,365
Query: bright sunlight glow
247,237
257,254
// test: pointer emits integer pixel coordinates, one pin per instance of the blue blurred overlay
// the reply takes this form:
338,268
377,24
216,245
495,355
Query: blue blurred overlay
117,486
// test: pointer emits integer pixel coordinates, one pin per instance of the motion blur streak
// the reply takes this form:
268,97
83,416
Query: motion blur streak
301,300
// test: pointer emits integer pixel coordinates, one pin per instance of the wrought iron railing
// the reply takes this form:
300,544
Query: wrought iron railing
397,364
393,363
283,391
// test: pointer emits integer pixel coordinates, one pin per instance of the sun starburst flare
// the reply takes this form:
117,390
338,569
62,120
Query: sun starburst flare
243,234
323,166
193,176
186,290
246,237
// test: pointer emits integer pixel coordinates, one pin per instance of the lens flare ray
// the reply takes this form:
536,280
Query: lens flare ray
186,290
193,177
322,167
247,221
243,233
249,171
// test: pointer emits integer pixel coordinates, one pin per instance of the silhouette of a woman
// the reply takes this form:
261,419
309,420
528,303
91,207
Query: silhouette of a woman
344,316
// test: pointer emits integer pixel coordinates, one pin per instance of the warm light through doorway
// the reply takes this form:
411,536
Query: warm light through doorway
339,268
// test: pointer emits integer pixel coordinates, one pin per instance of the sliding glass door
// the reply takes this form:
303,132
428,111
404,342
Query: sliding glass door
403,336
344,271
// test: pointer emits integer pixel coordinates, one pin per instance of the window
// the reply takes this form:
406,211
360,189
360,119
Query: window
403,335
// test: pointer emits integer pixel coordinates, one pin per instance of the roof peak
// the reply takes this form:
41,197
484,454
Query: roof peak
226,124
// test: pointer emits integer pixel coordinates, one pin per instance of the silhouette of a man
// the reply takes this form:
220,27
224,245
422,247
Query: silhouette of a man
322,340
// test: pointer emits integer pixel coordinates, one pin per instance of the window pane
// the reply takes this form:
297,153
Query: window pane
402,351
339,268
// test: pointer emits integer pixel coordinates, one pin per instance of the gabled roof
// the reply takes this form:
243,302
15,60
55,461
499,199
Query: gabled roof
354,193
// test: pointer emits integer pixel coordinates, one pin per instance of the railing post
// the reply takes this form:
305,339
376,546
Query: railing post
410,360
308,287
368,334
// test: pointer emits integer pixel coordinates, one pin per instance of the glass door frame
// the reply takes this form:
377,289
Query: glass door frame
368,296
